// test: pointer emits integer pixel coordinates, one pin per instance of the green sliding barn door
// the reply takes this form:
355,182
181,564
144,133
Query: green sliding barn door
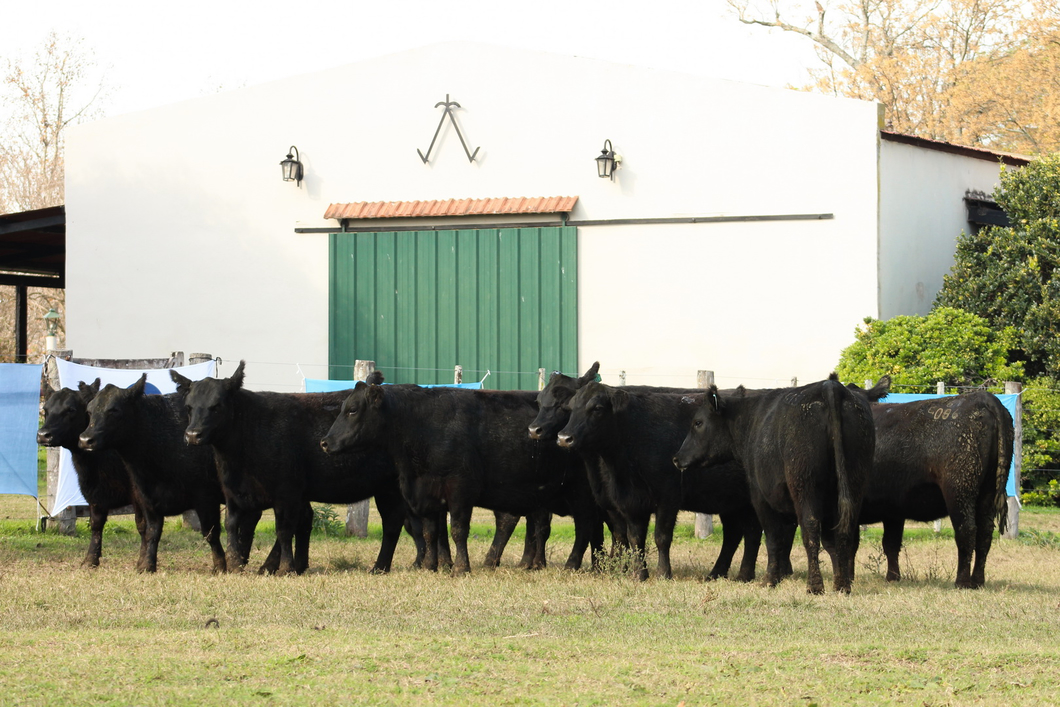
420,302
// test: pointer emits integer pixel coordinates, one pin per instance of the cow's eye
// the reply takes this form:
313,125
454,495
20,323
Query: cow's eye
351,413
697,424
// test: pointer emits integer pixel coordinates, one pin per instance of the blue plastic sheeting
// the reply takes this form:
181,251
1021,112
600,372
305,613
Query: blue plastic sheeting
1009,401
19,414
320,385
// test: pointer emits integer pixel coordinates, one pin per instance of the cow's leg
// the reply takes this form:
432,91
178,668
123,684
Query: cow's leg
616,523
445,555
286,521
637,528
984,537
538,538
460,527
893,529
302,532
752,541
588,532
414,527
778,542
731,532
97,518
149,546
964,533
248,524
665,520
392,512
810,524
210,524
505,526
238,549
429,523
843,556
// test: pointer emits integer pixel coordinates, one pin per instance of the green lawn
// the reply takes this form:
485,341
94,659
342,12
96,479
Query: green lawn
340,636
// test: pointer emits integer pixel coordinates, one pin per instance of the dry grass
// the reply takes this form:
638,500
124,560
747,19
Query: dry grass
339,635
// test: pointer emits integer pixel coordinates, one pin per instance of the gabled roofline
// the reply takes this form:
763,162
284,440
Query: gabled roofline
978,153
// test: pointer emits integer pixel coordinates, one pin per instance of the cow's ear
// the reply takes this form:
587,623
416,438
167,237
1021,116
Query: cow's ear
881,390
619,400
183,384
235,382
88,391
137,388
590,375
714,400
374,394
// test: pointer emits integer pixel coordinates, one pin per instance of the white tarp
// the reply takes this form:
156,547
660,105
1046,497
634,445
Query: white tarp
68,493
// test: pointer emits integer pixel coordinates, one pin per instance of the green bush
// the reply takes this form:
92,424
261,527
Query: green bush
947,345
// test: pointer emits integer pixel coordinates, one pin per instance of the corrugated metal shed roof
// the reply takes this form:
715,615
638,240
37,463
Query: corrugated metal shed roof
452,207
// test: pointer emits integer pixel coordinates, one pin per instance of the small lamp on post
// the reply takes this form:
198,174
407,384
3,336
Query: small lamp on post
607,162
292,167
51,330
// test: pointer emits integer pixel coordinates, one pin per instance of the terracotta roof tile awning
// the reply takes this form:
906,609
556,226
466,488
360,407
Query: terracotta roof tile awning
452,207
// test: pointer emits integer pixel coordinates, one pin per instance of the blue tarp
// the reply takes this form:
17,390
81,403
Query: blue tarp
320,385
1009,401
19,416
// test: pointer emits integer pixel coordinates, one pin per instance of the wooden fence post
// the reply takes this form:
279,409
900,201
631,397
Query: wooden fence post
357,513
541,379
458,374
1013,529
704,527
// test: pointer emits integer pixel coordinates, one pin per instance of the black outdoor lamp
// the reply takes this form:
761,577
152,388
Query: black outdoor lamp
607,162
292,168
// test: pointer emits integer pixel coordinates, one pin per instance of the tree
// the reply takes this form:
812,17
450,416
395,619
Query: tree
1010,276
39,99
947,345
925,61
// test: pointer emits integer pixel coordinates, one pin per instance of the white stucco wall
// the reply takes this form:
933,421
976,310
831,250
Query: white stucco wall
922,212
181,233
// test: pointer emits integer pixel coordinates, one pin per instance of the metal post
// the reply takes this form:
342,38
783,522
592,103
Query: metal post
704,526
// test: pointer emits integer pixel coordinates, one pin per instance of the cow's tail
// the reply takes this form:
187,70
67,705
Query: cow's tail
833,405
1006,435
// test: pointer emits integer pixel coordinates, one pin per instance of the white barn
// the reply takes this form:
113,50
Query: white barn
748,230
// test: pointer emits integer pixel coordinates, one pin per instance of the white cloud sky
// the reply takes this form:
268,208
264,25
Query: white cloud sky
158,53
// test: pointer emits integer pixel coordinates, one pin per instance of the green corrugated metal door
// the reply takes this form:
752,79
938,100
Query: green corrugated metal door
420,302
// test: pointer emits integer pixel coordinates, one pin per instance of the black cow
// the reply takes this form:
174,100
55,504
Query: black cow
267,450
553,412
935,458
455,449
627,441
147,432
808,454
101,475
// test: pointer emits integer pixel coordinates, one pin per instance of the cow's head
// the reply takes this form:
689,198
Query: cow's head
210,405
109,414
709,440
66,416
361,422
592,416
552,403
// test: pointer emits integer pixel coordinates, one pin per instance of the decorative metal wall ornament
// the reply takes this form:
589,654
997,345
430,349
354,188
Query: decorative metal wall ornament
449,105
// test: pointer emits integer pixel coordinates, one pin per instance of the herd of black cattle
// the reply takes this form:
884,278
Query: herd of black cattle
823,457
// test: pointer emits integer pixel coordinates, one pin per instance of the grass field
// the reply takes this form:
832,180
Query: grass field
340,636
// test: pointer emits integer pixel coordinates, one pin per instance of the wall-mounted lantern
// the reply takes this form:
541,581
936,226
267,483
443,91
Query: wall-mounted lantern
292,167
607,162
